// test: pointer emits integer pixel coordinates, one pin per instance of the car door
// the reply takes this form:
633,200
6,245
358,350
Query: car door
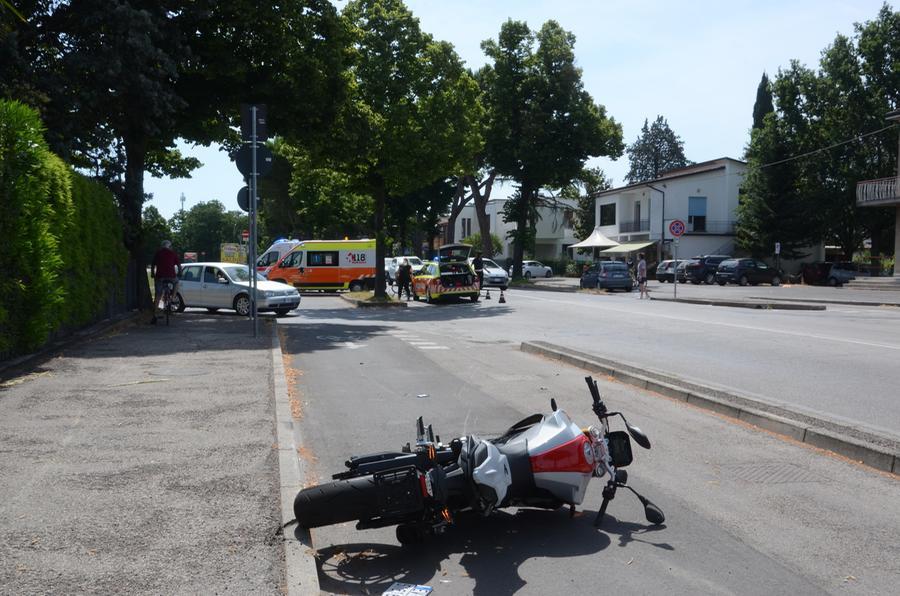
216,293
189,284
763,272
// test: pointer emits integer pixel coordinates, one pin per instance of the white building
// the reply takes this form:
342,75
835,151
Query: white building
704,196
555,230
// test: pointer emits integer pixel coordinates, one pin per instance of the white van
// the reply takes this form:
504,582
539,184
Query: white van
274,253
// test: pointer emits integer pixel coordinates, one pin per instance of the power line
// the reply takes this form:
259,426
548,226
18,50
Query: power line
830,147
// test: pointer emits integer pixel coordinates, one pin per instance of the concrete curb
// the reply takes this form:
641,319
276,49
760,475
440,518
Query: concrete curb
769,305
113,325
829,301
301,575
868,447
571,289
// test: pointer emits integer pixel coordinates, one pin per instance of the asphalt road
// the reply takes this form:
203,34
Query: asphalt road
747,513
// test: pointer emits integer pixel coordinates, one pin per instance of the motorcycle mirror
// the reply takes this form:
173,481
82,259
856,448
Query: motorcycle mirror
653,513
639,437
552,404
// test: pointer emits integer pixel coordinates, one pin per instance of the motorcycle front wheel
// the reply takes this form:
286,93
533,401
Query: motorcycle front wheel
336,502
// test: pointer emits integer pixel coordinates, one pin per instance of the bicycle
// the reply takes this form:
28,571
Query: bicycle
168,294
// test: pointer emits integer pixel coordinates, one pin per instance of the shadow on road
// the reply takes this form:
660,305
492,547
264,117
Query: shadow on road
492,550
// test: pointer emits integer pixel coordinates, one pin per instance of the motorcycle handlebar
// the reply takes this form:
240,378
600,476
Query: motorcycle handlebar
599,406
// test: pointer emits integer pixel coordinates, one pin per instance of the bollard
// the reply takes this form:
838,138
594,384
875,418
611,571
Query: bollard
502,299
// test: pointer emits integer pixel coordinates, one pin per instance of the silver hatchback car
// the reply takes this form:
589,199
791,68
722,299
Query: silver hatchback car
227,285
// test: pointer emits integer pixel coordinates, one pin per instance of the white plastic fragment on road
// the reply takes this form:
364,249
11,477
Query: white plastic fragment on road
401,589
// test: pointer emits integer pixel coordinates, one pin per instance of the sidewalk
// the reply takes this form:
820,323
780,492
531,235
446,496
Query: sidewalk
144,462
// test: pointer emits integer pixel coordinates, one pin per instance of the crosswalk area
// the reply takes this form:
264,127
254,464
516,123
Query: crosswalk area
414,340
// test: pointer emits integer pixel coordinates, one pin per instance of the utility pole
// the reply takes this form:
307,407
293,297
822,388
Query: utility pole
182,205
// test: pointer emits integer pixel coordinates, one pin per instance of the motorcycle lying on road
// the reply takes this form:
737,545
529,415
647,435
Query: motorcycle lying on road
542,461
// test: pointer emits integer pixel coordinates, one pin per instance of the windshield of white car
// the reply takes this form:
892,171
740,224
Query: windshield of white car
489,263
240,273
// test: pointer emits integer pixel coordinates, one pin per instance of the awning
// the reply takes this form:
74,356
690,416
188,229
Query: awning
595,240
627,247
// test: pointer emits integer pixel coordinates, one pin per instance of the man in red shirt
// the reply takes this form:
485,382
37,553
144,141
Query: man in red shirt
165,267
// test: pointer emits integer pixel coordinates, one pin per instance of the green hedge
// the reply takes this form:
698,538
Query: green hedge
62,255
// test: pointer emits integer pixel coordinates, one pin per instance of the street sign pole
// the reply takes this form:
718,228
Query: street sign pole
676,228
252,251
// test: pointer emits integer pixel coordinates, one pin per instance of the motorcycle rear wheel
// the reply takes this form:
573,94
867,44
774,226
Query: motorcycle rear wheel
336,502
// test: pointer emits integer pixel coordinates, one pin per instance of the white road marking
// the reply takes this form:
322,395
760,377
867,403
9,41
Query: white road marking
433,347
644,313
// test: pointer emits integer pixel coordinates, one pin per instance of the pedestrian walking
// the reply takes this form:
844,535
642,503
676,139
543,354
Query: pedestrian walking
404,277
642,276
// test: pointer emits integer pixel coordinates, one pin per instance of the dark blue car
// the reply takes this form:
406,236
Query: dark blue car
608,275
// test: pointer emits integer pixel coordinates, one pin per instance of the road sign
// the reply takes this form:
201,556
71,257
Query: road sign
778,248
244,160
243,199
677,228
262,129
245,235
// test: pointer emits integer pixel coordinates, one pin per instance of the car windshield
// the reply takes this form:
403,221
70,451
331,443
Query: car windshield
490,263
241,273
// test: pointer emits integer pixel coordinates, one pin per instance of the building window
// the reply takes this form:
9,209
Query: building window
466,228
608,214
697,214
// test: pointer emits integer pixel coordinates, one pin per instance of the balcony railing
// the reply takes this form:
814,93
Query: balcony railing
883,191
634,226
705,226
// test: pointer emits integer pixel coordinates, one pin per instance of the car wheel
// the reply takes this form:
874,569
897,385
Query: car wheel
212,309
710,278
356,286
548,274
528,275
696,282
474,297
242,305
743,281
722,282
776,281
832,281
428,297
177,304
503,288
280,312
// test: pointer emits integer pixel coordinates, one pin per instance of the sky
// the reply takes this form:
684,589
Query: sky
697,63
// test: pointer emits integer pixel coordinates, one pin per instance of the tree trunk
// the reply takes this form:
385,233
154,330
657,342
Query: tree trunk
131,203
459,201
521,227
380,194
481,200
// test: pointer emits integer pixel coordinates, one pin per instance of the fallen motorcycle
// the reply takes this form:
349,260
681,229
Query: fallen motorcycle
542,461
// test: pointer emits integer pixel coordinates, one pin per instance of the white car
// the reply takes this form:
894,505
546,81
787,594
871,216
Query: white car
535,269
227,285
494,275
393,264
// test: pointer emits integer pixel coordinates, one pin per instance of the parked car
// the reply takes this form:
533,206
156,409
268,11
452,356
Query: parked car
534,269
702,269
227,285
494,275
831,274
608,275
680,272
451,275
665,271
747,271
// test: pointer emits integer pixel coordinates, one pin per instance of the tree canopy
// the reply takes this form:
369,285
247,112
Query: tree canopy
542,124
656,150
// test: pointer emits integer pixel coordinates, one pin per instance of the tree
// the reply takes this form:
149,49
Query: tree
413,111
476,240
656,150
206,226
764,104
541,123
119,82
